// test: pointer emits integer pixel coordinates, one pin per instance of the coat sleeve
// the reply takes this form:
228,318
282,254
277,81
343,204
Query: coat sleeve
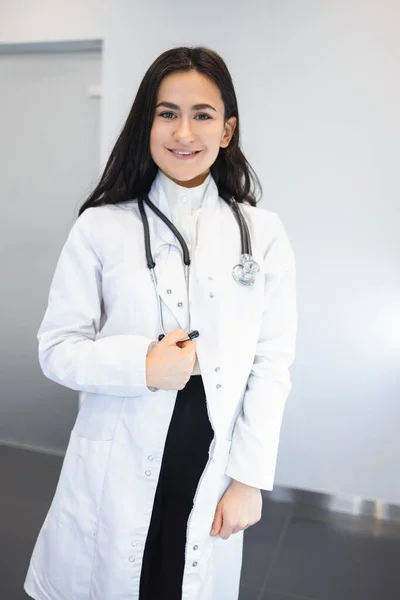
69,354
255,439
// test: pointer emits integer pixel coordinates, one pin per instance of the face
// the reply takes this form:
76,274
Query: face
189,117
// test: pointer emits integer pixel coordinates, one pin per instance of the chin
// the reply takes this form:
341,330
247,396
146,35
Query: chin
185,177
183,174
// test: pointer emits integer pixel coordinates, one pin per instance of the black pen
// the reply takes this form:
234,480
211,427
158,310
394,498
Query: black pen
193,334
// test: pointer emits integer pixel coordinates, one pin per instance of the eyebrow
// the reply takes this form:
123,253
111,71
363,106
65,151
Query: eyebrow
194,107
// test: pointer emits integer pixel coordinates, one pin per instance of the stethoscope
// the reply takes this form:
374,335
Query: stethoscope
244,272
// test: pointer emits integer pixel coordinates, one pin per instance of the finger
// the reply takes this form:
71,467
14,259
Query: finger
176,335
189,347
217,523
240,527
226,530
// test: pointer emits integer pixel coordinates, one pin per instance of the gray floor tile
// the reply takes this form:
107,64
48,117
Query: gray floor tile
272,520
25,469
26,490
248,593
256,560
260,541
15,554
319,561
278,596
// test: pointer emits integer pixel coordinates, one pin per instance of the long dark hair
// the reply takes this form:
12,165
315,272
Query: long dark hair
130,169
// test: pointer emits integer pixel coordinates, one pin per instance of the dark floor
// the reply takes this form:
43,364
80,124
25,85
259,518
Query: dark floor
295,552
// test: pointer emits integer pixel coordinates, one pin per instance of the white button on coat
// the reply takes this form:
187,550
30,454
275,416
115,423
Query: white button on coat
248,331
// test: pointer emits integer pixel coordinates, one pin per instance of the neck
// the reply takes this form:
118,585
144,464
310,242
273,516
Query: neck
196,181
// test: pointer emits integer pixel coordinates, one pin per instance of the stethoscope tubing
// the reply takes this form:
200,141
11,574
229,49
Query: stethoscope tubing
178,235
244,231
244,240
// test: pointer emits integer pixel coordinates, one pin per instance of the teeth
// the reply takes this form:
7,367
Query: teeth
184,153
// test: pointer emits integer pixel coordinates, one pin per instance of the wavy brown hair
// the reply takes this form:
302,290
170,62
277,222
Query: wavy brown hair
130,169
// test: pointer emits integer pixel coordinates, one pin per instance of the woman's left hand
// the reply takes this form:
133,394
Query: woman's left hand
239,508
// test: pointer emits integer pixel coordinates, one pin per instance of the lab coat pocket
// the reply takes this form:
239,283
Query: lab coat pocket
55,550
98,417
61,564
78,495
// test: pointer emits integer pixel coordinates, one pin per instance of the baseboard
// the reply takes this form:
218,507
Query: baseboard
20,446
336,503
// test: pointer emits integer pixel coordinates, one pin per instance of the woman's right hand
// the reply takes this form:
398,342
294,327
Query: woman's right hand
169,365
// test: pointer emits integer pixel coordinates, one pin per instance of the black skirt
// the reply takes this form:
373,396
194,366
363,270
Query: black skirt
185,456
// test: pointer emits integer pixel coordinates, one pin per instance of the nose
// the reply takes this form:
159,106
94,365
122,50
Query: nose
183,131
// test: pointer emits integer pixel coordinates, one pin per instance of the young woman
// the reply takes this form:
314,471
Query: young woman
184,367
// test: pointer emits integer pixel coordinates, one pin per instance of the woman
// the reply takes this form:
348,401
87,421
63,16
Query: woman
175,438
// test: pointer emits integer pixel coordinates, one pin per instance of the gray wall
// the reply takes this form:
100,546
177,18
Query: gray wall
49,153
24,21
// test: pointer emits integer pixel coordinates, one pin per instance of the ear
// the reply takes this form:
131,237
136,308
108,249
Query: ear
229,129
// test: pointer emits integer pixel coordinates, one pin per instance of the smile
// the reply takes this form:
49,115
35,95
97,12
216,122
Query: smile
184,155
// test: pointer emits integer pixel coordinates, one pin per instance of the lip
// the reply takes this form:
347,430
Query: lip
184,157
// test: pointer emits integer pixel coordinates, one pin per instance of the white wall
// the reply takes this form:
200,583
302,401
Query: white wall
318,89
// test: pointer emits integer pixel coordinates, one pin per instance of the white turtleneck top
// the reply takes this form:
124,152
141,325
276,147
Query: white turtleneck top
185,205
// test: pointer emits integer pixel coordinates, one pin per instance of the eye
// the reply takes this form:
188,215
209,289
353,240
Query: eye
166,113
204,115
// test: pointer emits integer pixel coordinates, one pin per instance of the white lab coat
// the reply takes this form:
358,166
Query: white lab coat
100,321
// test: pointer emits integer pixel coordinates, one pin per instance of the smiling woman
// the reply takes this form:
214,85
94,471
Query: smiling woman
178,432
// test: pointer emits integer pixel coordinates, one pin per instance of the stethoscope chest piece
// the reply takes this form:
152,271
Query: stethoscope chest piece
245,272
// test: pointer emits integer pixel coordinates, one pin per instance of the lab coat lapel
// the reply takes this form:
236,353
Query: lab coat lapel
206,287
207,253
167,254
